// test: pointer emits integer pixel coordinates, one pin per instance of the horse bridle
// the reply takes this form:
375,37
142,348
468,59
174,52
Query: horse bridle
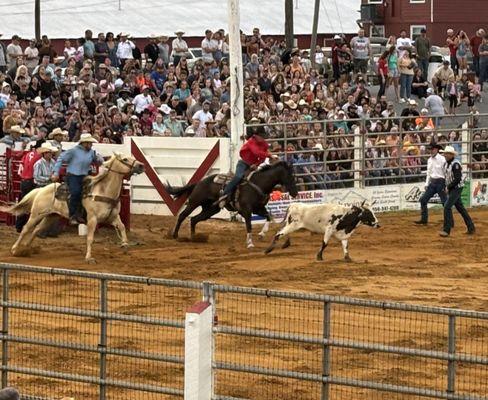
126,163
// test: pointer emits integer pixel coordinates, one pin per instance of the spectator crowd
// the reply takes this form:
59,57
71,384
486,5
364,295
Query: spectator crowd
110,87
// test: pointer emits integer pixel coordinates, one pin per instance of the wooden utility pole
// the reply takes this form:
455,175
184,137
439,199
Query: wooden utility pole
314,32
37,18
289,23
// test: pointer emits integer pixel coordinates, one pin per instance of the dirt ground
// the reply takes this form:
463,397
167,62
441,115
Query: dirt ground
398,262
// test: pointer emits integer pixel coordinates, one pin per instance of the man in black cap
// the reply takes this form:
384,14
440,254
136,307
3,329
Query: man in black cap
435,182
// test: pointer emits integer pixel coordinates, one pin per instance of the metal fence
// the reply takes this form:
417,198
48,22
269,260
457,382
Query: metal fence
103,336
375,151
93,336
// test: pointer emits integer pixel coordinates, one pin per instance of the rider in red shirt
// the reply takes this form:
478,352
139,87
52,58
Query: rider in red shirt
26,173
253,153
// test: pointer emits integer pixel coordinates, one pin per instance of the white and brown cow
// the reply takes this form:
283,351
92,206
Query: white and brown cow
328,219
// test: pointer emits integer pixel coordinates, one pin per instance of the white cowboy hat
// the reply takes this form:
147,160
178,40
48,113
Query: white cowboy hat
179,31
449,150
17,129
291,104
38,100
46,147
165,109
57,131
87,138
124,34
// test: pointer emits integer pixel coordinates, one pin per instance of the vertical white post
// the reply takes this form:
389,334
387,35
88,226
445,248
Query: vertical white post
198,352
236,80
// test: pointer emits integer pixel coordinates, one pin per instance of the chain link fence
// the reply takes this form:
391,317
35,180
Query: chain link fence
102,336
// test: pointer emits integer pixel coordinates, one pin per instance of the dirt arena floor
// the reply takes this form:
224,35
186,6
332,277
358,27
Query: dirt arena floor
399,261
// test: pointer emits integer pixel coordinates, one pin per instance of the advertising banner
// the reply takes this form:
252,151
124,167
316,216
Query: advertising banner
279,202
479,192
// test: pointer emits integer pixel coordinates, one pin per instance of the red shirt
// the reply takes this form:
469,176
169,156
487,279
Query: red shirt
475,45
255,150
335,55
383,67
27,164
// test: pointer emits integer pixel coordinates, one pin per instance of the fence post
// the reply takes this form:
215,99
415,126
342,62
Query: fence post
326,351
5,329
451,364
199,347
358,157
102,346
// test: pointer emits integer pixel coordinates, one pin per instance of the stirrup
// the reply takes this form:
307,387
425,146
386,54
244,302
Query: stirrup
222,201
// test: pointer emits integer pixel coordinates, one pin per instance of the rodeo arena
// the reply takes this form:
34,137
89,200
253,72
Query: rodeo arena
244,200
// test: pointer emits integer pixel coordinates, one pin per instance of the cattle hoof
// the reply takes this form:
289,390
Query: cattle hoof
286,244
91,261
268,250
250,245
319,257
125,248
261,236
347,259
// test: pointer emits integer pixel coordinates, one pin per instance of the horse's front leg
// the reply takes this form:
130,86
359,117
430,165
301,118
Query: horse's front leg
247,218
264,213
91,227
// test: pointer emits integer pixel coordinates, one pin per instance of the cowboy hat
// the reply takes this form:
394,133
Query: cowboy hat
179,31
57,131
302,102
121,34
449,150
17,129
87,138
165,109
435,146
46,148
291,104
412,102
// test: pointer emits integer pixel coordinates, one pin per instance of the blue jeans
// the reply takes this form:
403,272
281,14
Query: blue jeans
424,66
406,86
476,66
436,186
483,70
75,187
454,199
241,169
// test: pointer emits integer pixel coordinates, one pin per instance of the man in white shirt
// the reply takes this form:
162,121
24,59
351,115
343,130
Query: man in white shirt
203,116
435,182
14,51
179,47
403,43
209,47
124,49
143,100
31,55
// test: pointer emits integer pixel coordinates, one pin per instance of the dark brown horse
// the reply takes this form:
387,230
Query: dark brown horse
253,197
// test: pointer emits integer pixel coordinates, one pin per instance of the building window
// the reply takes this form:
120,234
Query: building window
375,1
415,31
377,31
417,1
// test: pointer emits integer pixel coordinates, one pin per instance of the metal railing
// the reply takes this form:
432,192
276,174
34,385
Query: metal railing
91,335
104,336
376,151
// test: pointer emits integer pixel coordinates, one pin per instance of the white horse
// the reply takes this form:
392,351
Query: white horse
101,204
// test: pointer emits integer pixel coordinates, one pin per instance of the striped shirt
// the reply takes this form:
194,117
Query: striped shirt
43,169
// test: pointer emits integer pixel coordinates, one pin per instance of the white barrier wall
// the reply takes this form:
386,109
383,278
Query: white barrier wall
176,161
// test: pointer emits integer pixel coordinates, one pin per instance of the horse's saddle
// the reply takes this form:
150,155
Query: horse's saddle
223,179
62,192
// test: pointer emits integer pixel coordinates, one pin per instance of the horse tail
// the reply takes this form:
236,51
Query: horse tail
24,206
179,191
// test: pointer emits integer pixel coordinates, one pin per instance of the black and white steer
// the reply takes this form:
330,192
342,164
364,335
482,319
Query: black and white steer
329,219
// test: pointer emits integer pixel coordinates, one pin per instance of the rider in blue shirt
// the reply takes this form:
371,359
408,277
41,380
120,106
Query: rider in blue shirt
79,160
